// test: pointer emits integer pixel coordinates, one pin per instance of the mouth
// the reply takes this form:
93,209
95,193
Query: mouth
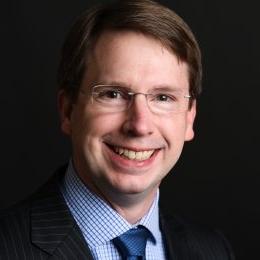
132,154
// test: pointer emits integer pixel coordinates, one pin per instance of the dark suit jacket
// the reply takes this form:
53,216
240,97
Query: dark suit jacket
42,227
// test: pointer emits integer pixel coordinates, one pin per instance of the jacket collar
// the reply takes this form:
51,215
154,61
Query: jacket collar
51,221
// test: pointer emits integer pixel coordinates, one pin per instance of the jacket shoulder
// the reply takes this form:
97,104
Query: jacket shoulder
16,225
15,233
193,241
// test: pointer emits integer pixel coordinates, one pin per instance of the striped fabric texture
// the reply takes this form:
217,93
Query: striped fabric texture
42,228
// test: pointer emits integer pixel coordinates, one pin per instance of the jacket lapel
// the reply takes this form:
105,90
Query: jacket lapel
53,228
175,237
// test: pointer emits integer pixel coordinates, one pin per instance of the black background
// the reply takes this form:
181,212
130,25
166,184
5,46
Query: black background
216,181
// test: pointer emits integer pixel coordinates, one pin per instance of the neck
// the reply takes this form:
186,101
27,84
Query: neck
131,207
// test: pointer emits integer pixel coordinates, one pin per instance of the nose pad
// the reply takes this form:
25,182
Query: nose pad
138,118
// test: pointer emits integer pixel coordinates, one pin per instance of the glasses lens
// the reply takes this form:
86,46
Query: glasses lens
111,97
168,102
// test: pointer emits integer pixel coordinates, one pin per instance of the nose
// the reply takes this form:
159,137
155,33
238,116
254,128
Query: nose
139,121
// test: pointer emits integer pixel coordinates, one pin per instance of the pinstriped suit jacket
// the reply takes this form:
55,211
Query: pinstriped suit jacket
42,227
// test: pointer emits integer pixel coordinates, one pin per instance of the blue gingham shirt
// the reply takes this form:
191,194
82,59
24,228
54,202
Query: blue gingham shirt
100,223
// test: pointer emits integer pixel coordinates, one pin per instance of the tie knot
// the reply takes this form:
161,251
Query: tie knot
132,243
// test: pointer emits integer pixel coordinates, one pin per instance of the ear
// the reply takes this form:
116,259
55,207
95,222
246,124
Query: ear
190,117
64,107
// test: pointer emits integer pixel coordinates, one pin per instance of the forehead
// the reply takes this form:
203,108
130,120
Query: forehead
135,59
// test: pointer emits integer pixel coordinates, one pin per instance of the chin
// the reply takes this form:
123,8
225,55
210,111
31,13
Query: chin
134,187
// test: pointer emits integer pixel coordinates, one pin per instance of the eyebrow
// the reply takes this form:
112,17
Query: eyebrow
113,83
166,88
162,87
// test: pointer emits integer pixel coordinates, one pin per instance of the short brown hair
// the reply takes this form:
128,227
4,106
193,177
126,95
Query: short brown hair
144,16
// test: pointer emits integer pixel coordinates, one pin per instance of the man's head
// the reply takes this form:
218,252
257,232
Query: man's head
127,74
145,16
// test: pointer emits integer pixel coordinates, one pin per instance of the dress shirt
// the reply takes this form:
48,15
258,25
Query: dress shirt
99,223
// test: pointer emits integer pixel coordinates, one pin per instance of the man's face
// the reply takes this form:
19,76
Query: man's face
142,64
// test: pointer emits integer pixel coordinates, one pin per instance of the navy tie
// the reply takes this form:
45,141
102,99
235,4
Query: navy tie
131,245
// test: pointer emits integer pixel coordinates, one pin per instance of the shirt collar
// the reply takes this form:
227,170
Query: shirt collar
95,217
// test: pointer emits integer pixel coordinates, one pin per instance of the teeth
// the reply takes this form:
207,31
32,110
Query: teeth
139,155
132,155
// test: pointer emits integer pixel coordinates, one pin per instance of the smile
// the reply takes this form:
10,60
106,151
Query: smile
133,155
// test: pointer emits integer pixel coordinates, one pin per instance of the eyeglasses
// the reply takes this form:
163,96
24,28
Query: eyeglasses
117,99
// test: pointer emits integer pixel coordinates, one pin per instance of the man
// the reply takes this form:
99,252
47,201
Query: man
129,77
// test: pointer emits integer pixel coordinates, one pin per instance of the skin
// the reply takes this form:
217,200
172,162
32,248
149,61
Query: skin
141,63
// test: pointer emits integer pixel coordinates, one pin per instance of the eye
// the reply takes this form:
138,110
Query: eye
112,93
164,98
109,93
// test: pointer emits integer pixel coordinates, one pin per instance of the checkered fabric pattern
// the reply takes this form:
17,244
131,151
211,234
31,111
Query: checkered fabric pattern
100,224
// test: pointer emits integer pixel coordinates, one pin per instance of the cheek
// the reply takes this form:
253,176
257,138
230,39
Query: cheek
101,124
90,126
96,127
174,130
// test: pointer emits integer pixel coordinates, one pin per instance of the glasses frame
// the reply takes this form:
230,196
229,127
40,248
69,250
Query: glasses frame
131,94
